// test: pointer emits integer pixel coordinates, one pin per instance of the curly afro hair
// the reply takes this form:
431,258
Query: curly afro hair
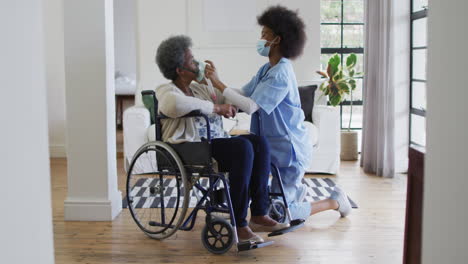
289,26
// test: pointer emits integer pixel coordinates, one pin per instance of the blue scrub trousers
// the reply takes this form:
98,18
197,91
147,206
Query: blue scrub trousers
294,190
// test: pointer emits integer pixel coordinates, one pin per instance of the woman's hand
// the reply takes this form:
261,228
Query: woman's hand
212,74
226,110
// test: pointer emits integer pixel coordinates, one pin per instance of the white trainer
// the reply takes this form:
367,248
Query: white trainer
344,206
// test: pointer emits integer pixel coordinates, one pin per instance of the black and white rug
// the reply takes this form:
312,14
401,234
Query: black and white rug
319,189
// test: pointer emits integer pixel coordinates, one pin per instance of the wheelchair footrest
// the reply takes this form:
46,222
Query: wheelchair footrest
247,245
294,225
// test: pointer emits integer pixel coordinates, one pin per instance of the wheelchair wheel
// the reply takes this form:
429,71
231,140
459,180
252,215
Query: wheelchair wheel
157,190
218,236
277,211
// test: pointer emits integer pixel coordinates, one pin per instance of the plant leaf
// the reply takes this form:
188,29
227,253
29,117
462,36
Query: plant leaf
329,70
337,76
333,64
335,99
323,74
351,60
322,86
352,82
343,87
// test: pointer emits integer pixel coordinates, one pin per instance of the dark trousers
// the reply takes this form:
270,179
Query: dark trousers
247,159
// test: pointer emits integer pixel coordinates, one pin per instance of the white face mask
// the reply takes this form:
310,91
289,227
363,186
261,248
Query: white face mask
201,70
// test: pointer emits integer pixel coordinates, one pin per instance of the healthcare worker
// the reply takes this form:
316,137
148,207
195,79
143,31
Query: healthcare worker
272,97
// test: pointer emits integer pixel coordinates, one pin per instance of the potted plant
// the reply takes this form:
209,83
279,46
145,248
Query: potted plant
339,82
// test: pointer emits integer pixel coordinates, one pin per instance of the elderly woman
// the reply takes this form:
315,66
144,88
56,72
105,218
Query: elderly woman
246,158
272,97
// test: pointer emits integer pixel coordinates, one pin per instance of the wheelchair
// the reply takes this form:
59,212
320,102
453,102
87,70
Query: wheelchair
164,178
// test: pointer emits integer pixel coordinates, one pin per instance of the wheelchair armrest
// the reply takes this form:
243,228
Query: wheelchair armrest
191,114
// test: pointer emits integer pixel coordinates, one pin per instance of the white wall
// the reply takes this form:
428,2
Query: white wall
53,19
125,36
156,20
26,215
445,232
236,57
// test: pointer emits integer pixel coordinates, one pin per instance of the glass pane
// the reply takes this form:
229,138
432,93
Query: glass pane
419,100
419,5
324,61
330,11
420,32
359,68
353,11
330,36
419,64
357,93
356,119
418,129
353,36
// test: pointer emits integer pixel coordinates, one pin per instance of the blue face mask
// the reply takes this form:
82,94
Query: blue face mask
261,49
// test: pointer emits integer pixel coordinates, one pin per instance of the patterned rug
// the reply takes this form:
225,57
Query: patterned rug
319,189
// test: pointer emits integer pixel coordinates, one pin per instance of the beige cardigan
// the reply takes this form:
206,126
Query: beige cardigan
173,103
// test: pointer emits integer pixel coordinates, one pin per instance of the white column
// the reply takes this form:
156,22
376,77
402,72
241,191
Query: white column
26,214
445,217
89,69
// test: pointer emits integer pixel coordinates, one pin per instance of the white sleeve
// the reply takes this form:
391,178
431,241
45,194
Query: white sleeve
173,104
237,98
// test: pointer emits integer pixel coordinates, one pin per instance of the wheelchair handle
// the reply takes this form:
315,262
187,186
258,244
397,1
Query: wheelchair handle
157,117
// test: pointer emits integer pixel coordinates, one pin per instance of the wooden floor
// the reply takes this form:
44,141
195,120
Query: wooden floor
371,234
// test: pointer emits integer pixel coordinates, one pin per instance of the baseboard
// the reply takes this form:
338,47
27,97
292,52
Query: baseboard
57,151
93,210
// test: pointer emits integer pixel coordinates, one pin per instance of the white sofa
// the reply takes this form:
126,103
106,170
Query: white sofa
324,133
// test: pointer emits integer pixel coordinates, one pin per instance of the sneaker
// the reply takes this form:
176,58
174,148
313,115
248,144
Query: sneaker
344,206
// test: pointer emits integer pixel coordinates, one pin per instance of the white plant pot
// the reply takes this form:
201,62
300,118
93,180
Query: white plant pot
349,147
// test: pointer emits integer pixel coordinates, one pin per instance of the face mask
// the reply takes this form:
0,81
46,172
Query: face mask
200,72
261,49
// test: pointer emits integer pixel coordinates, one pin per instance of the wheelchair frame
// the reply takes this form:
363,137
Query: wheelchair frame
211,200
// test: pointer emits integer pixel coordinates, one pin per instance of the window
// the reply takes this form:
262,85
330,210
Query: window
342,32
418,72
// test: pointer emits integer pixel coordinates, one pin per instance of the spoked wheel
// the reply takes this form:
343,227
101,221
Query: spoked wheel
277,211
157,190
218,236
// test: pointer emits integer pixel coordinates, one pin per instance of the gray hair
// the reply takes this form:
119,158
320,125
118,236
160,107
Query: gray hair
171,55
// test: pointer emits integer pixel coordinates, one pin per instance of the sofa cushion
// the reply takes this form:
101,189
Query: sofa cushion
307,95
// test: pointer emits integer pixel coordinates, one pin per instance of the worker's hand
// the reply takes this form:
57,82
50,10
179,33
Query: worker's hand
212,74
210,71
226,110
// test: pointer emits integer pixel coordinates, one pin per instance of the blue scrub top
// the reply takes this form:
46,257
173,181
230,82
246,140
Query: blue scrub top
280,117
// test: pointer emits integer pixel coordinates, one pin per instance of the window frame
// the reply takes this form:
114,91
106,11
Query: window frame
415,15
341,51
